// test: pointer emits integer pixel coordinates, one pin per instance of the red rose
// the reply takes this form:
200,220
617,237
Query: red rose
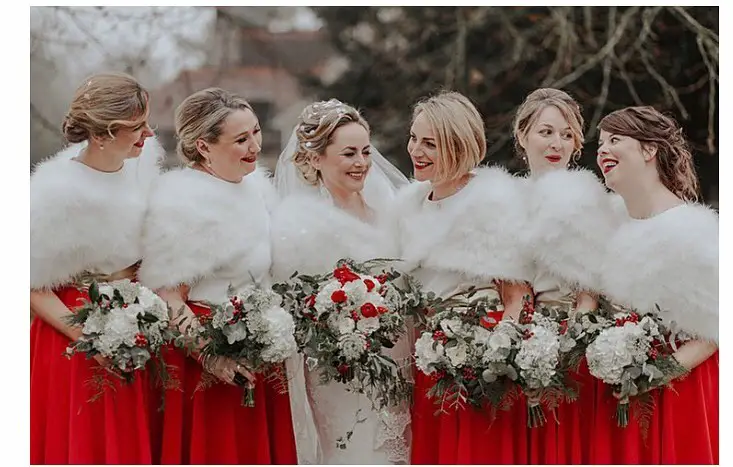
563,327
382,278
339,296
369,311
345,275
141,340
369,284
310,301
382,310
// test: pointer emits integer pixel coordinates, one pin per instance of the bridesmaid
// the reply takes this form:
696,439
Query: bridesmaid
571,219
666,254
87,209
208,227
457,226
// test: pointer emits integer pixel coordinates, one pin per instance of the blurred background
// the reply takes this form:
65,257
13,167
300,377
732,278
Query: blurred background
382,60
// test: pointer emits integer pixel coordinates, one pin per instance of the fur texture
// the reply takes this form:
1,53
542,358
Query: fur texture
571,221
82,219
202,228
310,234
474,232
670,260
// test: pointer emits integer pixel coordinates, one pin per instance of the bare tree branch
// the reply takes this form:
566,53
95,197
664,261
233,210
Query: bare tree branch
601,103
601,54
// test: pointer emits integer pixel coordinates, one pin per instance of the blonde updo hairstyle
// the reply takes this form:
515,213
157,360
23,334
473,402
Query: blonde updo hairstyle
316,126
532,107
104,104
201,116
459,133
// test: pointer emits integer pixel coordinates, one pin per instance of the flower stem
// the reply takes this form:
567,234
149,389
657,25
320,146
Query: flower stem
622,413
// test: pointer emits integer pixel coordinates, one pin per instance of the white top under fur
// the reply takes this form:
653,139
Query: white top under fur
571,218
473,234
207,233
670,260
82,219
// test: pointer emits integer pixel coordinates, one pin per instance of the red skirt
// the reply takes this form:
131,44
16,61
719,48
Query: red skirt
567,436
683,428
68,429
210,426
466,436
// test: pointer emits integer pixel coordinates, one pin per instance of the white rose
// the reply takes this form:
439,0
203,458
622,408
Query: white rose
457,354
425,355
323,299
352,346
356,291
345,325
368,325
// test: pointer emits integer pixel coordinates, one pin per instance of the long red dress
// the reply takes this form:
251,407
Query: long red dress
68,429
210,426
83,219
571,217
469,238
683,428
467,436
211,234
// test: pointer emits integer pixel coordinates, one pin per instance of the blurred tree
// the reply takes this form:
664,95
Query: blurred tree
606,57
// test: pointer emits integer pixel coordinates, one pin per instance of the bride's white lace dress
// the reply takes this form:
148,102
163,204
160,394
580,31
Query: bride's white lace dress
310,235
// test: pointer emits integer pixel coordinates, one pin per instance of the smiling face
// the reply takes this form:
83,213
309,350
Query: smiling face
129,140
346,161
234,154
549,142
423,149
623,160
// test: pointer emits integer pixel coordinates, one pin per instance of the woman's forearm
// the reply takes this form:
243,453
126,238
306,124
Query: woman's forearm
693,353
48,307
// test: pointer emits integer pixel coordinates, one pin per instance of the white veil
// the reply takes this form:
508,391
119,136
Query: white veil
382,182
380,187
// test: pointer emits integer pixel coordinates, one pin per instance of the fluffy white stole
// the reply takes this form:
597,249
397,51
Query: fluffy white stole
571,222
310,234
475,232
83,219
670,260
200,227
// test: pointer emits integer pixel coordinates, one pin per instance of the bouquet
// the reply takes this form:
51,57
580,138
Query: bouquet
541,361
475,358
126,323
343,321
251,326
468,351
634,355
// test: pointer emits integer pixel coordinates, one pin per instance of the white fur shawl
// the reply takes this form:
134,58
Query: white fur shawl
82,219
671,260
310,234
475,232
199,227
571,221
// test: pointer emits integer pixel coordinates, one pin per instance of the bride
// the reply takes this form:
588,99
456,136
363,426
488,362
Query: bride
335,188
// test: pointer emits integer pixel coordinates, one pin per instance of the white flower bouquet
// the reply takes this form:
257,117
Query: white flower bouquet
125,323
252,326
